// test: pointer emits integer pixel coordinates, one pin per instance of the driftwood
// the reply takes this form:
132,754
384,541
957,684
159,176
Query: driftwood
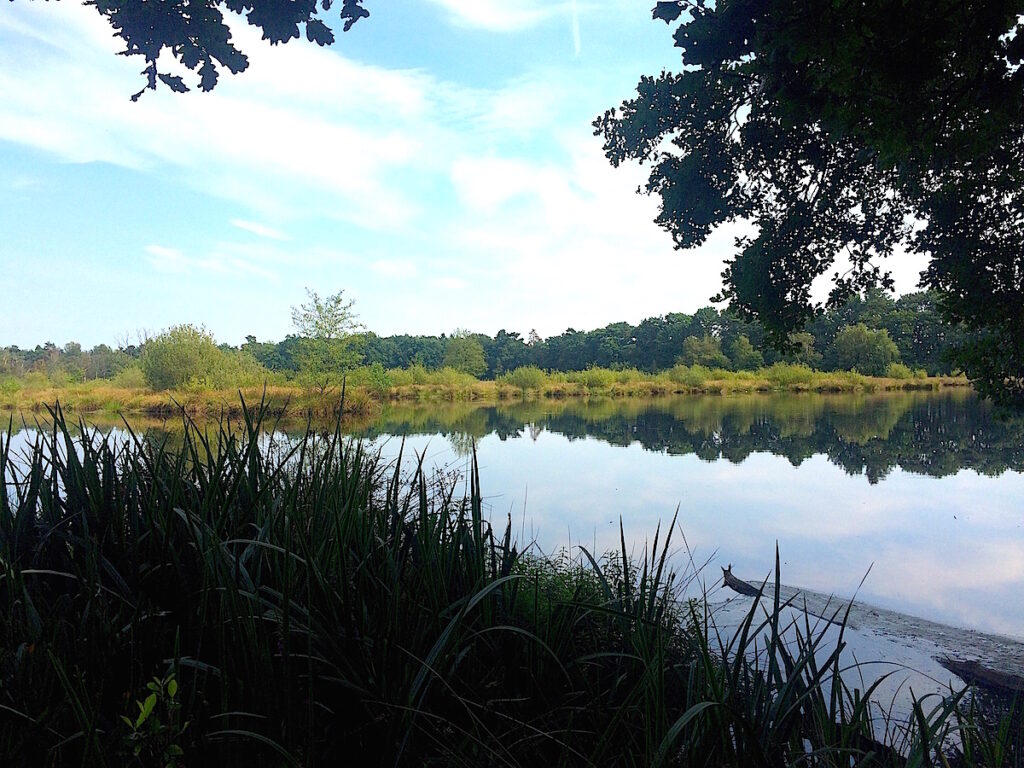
738,585
973,673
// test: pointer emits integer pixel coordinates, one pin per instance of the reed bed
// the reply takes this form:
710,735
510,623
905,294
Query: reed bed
367,388
239,601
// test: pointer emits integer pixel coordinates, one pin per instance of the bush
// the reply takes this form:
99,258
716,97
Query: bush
188,357
898,371
454,379
130,378
705,351
35,380
525,377
788,374
693,376
594,378
9,385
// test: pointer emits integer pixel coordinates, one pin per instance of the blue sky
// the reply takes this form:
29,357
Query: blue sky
437,163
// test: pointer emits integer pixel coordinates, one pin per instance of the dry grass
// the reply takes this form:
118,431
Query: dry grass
34,394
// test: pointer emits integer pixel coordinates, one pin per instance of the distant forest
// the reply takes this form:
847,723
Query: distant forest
868,334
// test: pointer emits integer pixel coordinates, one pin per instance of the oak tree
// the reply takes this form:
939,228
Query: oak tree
197,35
845,130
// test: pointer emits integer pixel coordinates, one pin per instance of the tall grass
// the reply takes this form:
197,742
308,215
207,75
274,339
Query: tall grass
369,386
239,601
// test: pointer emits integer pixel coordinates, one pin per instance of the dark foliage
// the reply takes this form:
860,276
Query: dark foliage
195,33
832,126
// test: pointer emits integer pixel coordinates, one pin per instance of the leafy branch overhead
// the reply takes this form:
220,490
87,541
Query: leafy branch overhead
845,131
195,33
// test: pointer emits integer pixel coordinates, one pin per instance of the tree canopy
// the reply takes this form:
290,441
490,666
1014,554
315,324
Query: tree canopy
197,35
328,345
844,131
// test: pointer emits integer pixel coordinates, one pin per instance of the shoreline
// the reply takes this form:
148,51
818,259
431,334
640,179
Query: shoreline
929,655
100,397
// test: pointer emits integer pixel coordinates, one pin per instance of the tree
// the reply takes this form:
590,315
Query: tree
465,353
801,350
859,348
507,352
744,356
327,344
847,130
195,33
706,350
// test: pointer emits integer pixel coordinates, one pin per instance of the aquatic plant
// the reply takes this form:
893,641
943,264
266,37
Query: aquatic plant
244,601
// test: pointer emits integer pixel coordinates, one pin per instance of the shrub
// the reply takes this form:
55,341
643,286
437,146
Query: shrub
130,378
898,371
693,376
594,378
525,377
788,374
465,353
35,380
745,357
180,355
9,385
187,357
453,379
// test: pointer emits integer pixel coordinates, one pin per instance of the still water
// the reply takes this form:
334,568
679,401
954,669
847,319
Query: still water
923,489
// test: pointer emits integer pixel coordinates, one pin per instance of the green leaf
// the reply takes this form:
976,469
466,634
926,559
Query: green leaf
146,709
667,11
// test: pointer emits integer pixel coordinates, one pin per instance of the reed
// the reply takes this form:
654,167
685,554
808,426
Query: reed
244,601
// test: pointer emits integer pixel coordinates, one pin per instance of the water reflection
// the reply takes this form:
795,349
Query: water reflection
843,483
934,434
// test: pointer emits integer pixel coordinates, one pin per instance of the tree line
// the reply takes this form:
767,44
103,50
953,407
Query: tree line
871,333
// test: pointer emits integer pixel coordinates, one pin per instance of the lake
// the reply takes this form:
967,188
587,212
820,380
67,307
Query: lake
923,489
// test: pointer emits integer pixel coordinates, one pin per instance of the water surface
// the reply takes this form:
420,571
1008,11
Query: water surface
923,489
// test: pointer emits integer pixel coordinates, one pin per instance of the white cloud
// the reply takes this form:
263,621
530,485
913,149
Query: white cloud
487,187
300,120
173,261
261,230
501,15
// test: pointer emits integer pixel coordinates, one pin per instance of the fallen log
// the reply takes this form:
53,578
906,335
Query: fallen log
738,585
973,673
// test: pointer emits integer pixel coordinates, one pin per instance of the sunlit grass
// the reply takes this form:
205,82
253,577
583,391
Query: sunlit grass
369,386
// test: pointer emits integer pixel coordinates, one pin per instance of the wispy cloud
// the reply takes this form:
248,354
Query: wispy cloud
261,230
173,261
501,15
348,172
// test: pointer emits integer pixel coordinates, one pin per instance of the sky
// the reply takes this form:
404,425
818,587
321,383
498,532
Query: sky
437,164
